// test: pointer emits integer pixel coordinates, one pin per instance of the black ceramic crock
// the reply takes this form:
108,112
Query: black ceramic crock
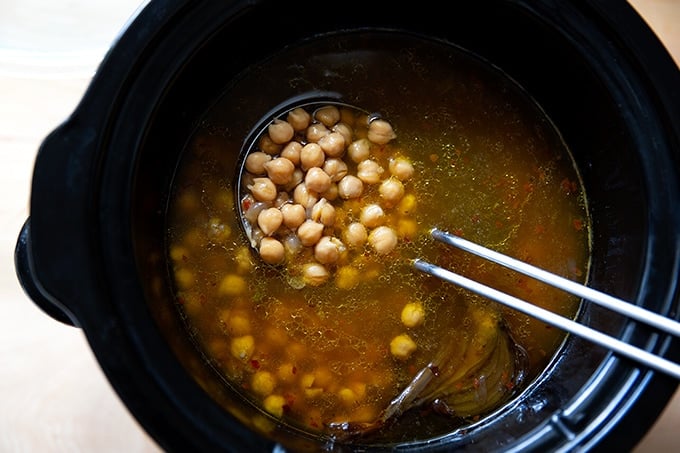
91,252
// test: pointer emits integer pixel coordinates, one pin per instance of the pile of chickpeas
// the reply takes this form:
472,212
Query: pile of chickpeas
321,185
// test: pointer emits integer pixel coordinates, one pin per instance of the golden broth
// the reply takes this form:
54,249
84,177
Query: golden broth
488,165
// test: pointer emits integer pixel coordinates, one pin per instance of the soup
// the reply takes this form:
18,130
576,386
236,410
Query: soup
363,345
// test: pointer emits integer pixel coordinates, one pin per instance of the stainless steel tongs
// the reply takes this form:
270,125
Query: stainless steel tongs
617,305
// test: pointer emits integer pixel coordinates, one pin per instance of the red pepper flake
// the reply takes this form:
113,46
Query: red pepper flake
568,186
528,187
575,271
507,382
246,204
578,224
458,232
180,300
255,364
294,370
523,283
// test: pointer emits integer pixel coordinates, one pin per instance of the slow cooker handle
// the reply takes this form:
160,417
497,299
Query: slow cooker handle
23,266
54,258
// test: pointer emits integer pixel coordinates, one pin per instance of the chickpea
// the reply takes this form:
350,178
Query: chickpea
315,131
413,314
407,204
286,372
280,131
178,253
270,220
237,323
311,392
355,235
299,118
274,404
333,144
263,189
345,130
348,397
350,187
402,346
263,383
293,215
335,168
347,277
184,278
315,274
280,170
380,132
323,212
383,240
232,285
359,150
311,155
372,215
317,180
255,162
407,228
268,146
244,263
310,232
304,196
328,115
272,251
242,347
327,250
292,152
369,171
401,168
391,190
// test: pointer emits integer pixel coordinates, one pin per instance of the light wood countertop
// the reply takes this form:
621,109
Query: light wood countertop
53,395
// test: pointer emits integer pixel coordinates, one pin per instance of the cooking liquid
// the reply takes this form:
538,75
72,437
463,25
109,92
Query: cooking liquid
488,166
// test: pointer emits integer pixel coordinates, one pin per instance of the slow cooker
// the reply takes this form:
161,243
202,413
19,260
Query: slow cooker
91,254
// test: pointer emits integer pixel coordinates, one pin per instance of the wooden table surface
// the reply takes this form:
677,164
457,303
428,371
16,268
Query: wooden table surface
53,395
